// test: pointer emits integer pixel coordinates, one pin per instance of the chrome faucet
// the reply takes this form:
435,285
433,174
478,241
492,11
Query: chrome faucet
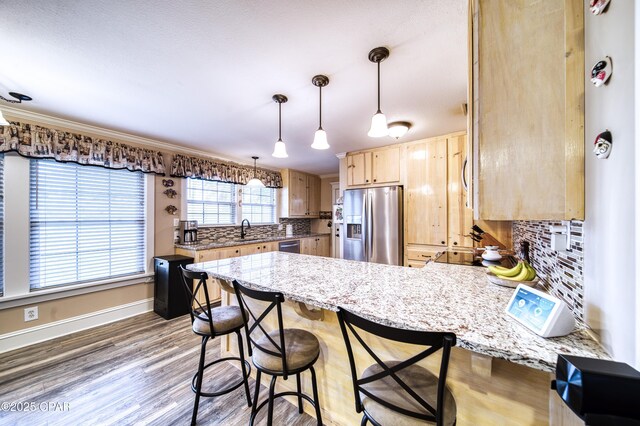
242,232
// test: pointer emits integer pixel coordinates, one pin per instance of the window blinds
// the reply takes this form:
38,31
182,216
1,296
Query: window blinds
1,225
211,202
259,204
86,223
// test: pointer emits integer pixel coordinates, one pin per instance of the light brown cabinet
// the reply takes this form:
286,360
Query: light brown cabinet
528,136
386,165
380,166
316,246
359,168
426,192
300,195
416,256
460,216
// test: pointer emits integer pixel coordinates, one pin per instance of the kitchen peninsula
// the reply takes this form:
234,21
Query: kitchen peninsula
499,371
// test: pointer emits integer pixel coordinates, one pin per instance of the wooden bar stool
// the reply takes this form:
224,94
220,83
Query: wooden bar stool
400,392
209,323
279,353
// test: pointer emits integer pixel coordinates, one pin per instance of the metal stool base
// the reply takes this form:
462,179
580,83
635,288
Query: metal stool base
230,388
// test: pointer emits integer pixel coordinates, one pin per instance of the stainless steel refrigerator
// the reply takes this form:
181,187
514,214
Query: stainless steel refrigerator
373,225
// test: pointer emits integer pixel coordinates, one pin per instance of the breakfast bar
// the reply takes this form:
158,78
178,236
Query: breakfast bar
499,373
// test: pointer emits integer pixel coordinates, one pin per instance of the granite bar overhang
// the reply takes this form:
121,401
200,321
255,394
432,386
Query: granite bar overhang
439,297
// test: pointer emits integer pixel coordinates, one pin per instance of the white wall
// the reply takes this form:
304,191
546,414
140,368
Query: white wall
610,248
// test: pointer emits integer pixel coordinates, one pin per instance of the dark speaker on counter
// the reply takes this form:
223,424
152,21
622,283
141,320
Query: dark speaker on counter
598,387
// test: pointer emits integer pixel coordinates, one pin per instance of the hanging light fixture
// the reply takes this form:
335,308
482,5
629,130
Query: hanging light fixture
255,182
398,129
378,121
280,150
19,98
320,138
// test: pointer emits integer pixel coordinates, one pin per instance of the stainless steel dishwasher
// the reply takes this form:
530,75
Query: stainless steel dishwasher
290,246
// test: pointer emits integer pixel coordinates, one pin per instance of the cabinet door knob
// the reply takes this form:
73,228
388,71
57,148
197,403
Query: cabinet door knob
237,251
455,243
375,180
367,180
441,242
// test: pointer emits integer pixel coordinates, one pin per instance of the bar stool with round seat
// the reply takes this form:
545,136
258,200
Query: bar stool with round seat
400,393
282,352
209,323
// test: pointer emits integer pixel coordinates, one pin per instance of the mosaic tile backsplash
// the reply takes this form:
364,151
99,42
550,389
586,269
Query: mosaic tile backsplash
212,234
561,272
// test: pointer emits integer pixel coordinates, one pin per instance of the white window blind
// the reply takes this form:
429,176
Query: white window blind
211,202
86,223
1,225
259,204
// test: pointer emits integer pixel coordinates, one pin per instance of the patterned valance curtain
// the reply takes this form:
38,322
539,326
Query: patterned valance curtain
200,168
30,140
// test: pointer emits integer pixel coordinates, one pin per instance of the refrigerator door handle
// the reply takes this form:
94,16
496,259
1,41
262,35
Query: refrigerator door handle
370,231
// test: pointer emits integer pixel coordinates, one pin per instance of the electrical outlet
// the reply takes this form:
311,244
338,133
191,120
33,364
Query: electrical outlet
176,222
31,314
280,227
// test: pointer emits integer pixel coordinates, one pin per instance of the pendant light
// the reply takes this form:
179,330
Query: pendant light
280,150
255,182
19,98
378,121
320,138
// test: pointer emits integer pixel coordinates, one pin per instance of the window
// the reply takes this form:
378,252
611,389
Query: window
86,224
210,202
1,225
259,204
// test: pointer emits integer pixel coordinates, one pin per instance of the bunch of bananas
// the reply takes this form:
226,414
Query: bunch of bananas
521,272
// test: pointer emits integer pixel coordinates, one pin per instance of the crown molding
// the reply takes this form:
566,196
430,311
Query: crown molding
43,119
329,175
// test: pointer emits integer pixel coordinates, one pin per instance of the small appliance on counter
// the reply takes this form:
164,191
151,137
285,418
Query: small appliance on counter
600,392
188,231
545,315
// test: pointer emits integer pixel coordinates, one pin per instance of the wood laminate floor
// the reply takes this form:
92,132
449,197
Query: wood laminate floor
132,372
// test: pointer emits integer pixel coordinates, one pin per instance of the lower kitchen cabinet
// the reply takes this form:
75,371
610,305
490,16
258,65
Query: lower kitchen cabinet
418,255
316,246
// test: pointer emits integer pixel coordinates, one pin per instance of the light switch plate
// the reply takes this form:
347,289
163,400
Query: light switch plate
176,222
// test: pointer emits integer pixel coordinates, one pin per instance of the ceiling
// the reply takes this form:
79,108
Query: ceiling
201,74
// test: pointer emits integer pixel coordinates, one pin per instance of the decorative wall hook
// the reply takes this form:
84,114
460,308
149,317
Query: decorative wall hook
601,72
598,6
171,193
602,145
167,183
171,209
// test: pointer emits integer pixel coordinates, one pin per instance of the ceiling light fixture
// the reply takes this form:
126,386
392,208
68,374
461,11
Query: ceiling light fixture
19,98
320,138
378,121
280,150
255,182
398,129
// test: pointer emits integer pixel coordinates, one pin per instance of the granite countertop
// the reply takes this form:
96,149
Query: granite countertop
438,297
232,242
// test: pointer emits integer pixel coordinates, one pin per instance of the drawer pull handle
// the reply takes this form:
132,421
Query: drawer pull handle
425,255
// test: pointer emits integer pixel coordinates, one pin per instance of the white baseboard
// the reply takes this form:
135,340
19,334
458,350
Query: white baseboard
41,333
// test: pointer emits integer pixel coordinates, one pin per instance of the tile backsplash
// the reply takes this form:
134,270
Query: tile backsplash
561,272
213,234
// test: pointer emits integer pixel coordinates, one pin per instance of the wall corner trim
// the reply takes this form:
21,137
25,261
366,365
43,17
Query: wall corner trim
52,330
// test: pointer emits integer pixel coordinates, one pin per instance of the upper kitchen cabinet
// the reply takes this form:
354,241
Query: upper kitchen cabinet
426,192
379,166
460,214
300,195
527,120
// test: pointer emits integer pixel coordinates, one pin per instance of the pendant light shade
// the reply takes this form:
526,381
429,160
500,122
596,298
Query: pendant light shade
3,121
379,121
378,126
320,138
255,182
280,149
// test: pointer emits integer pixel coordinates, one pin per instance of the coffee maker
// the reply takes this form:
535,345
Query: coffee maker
188,231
